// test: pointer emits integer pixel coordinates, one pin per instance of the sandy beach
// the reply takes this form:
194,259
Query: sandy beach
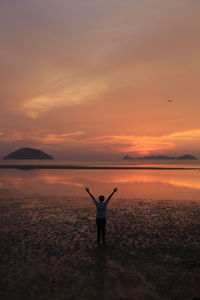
48,249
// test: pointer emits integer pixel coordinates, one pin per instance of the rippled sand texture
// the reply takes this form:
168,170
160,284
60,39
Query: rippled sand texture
48,249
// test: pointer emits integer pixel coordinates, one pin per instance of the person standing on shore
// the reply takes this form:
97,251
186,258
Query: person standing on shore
101,214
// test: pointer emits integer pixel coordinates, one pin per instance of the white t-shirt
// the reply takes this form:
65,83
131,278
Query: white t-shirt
101,208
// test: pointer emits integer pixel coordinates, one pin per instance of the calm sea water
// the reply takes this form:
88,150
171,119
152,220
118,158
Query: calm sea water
123,162
132,184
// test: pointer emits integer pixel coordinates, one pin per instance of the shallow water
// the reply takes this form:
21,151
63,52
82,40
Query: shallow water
123,162
142,184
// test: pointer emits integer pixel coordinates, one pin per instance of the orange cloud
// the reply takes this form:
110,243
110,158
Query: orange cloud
139,145
144,145
189,135
131,143
12,137
61,96
57,138
127,57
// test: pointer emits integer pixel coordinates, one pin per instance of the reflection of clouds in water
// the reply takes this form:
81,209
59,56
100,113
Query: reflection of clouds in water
189,183
185,182
192,181
80,179
55,179
17,182
11,181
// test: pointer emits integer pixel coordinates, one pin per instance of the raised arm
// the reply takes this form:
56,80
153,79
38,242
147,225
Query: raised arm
88,191
114,191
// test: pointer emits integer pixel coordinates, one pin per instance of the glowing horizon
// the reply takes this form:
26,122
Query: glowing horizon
93,79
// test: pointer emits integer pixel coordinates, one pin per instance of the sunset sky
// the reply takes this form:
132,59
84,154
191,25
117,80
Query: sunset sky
91,79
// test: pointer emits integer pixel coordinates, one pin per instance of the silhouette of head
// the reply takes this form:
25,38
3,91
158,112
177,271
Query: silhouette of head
101,198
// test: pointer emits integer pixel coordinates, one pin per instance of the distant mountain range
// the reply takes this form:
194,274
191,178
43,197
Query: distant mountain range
28,153
186,156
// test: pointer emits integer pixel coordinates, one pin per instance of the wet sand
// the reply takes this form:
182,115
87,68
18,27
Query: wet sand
48,249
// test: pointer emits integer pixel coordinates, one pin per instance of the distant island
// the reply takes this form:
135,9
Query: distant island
28,153
186,156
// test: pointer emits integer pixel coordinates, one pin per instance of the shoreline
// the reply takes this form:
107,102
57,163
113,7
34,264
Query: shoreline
16,166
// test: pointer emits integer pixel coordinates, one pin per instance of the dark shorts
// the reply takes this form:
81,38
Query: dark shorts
101,222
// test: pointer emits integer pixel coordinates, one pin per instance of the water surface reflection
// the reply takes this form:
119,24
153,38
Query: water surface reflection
151,184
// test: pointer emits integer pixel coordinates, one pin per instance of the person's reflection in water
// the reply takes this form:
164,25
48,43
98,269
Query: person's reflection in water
101,214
